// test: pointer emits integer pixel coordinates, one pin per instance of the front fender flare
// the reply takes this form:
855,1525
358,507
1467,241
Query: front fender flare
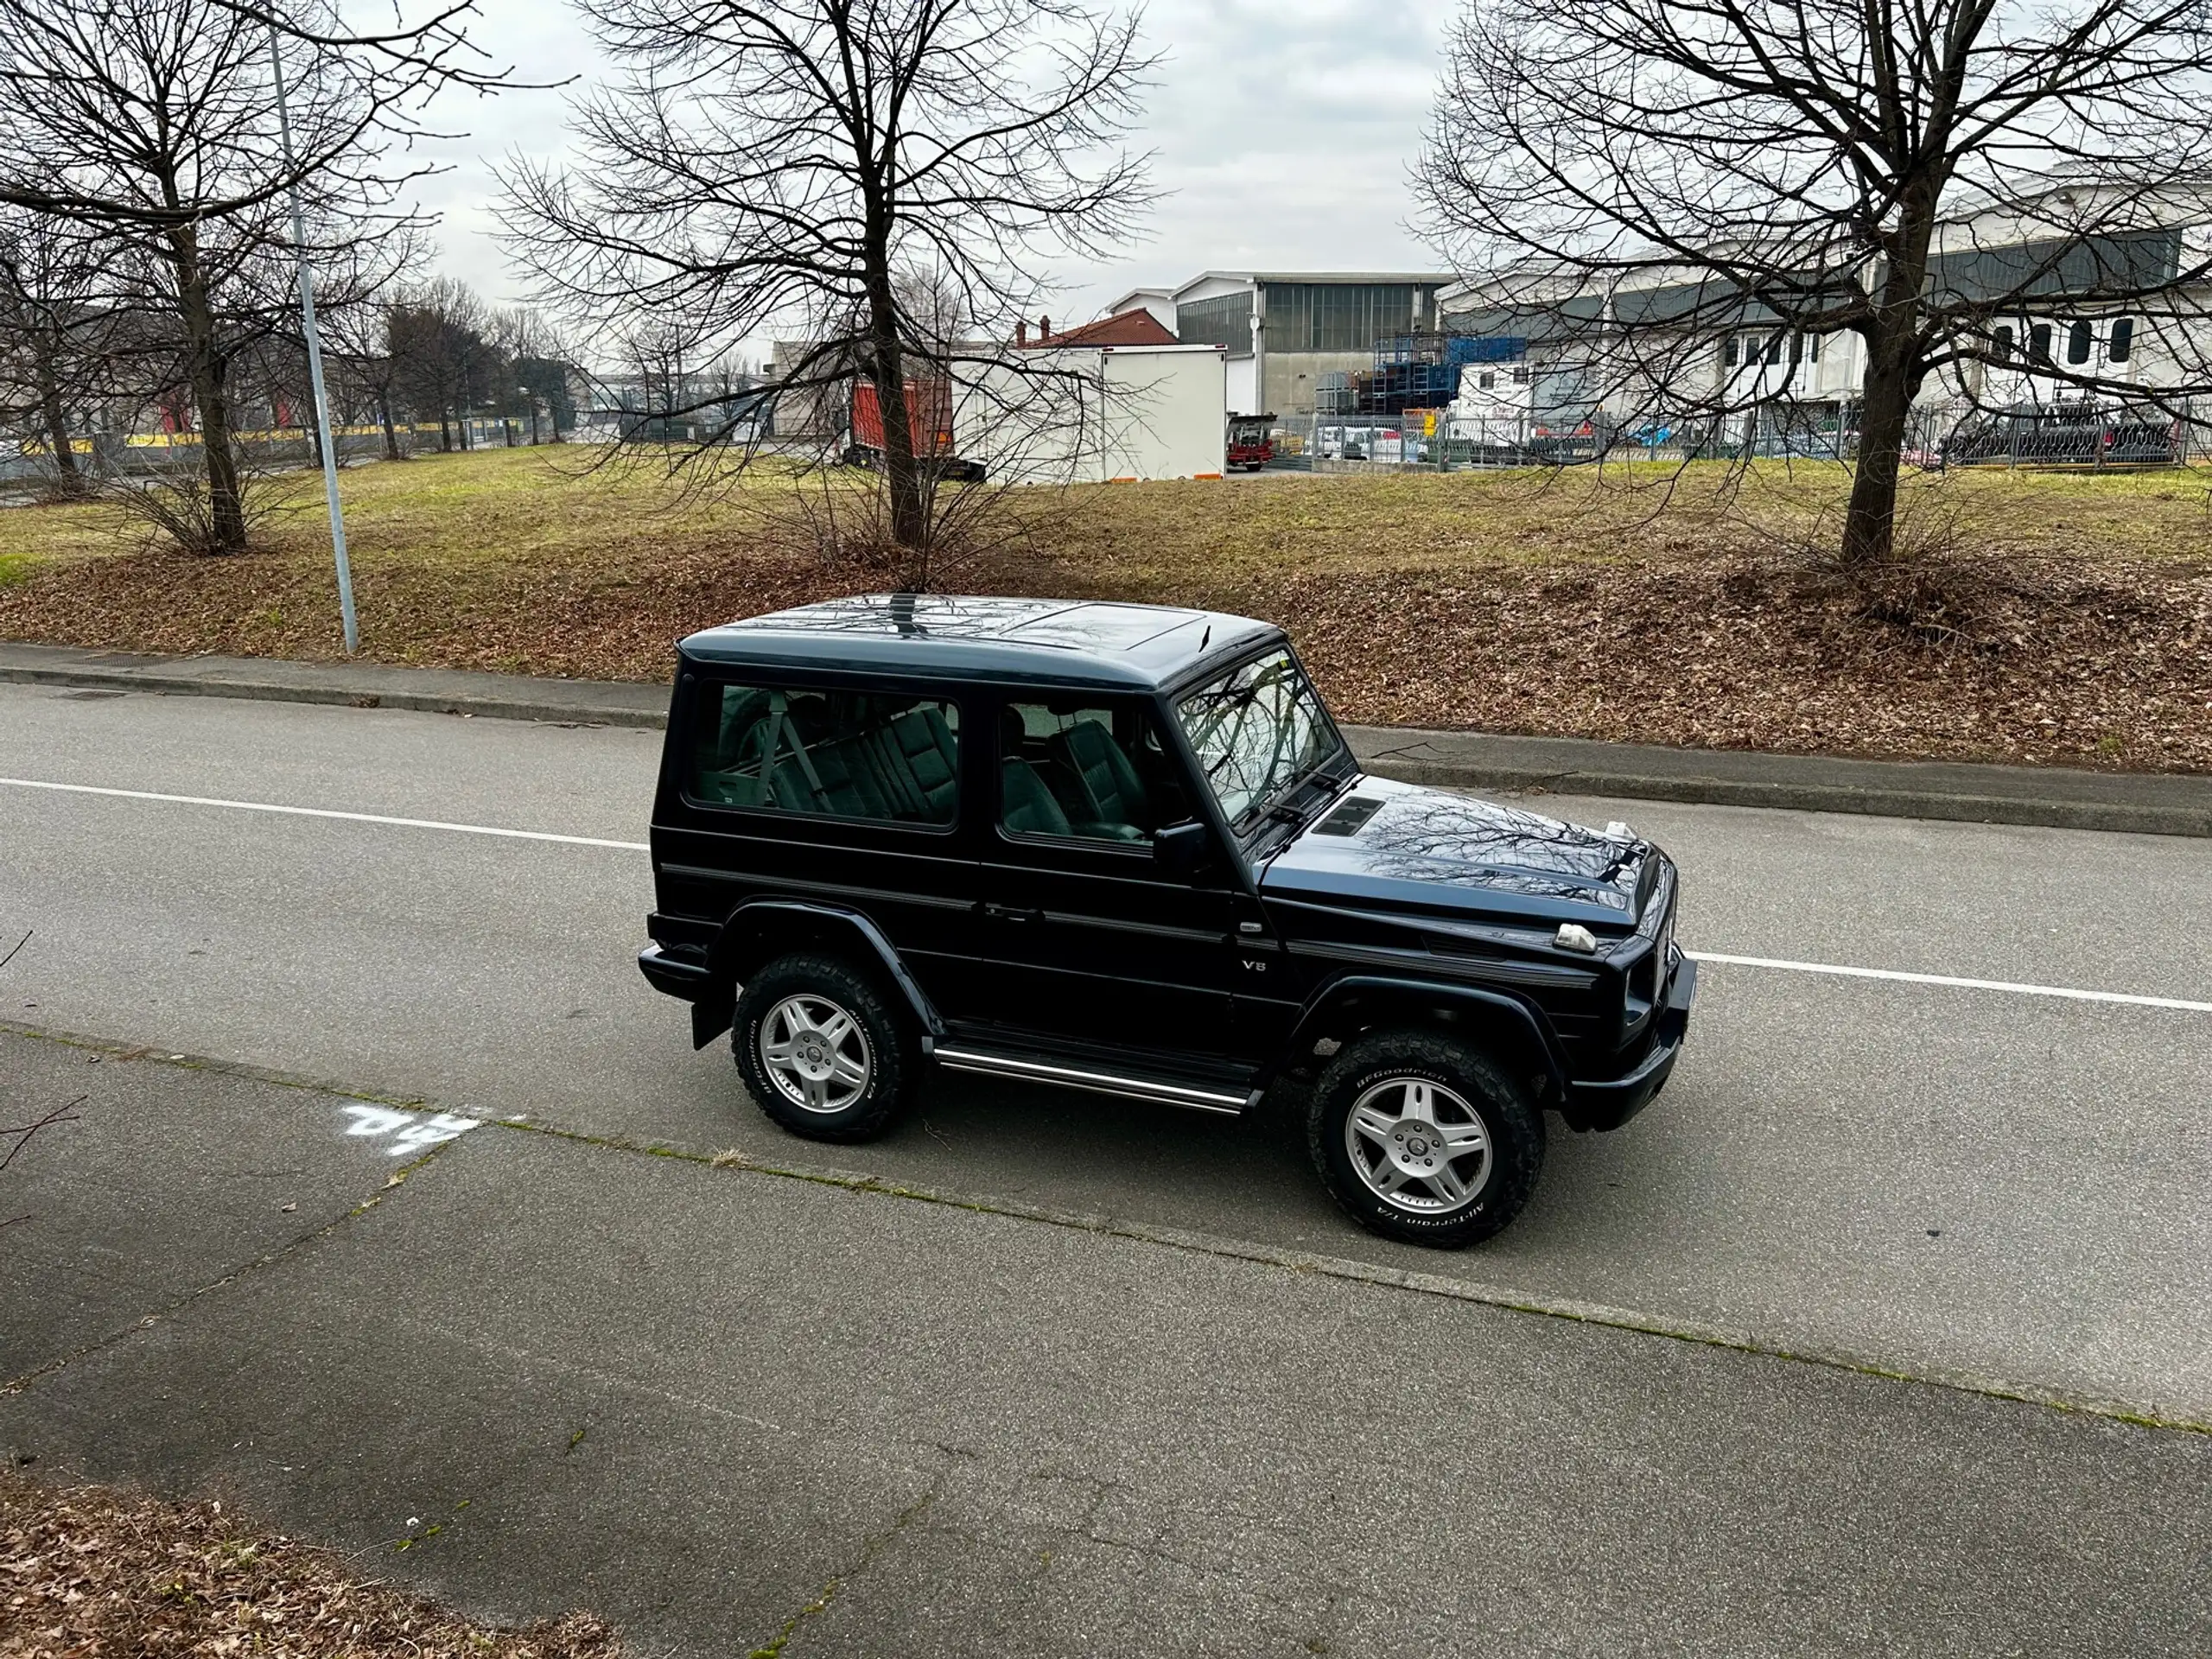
1516,1014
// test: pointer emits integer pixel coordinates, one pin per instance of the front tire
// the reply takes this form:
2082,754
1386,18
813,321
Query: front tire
1423,1138
823,1053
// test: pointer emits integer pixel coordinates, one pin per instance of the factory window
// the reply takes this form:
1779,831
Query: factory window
2121,340
1224,321
1486,381
2079,338
1520,377
2000,342
1812,348
1344,316
1774,348
2039,344
1729,352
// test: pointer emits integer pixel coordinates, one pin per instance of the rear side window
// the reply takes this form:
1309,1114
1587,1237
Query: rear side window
849,754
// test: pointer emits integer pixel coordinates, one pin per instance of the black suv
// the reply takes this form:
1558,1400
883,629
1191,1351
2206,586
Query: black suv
1123,848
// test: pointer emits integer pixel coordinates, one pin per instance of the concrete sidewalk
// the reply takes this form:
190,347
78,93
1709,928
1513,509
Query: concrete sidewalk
736,1411
2155,803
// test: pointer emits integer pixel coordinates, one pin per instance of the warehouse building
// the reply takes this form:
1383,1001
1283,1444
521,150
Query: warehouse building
1286,333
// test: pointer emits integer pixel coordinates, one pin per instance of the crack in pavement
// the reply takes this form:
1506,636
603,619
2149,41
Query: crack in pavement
397,1178
871,1547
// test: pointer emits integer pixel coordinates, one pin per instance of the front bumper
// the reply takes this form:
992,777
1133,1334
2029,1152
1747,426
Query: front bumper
1608,1104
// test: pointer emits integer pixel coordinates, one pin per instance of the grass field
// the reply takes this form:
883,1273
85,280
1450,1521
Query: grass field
2061,617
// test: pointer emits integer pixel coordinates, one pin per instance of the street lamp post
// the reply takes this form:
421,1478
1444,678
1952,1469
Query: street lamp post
314,363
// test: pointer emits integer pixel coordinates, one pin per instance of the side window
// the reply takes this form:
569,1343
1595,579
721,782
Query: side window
1088,771
847,754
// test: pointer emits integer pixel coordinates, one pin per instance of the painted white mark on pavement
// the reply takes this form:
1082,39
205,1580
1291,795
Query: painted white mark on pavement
1961,984
326,812
1896,975
409,1131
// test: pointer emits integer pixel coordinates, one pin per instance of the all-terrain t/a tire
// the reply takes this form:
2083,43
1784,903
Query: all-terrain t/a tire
1423,1138
822,1051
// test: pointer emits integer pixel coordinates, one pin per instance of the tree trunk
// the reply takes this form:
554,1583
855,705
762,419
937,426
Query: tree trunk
384,419
1869,520
1892,381
56,417
205,371
910,515
445,432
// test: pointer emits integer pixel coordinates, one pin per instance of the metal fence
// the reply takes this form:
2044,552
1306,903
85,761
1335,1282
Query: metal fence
2073,436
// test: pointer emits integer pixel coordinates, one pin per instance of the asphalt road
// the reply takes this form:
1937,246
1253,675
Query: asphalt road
1933,1180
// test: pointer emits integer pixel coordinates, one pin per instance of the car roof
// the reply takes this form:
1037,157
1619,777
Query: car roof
1033,641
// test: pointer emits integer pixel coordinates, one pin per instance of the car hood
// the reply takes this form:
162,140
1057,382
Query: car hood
1392,846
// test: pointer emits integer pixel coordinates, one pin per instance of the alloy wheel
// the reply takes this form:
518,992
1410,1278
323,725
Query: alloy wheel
1418,1146
815,1053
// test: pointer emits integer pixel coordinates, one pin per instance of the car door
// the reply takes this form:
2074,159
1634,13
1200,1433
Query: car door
838,793
1086,937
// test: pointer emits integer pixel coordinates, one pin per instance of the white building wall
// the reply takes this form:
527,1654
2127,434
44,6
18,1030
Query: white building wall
1243,387
1105,413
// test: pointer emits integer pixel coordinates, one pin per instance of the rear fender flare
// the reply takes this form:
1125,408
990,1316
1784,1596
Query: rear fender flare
1343,1006
760,930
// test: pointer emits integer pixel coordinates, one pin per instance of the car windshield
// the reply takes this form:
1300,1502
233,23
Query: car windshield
1256,731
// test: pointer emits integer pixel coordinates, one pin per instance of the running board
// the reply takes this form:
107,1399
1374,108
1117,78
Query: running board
1101,1083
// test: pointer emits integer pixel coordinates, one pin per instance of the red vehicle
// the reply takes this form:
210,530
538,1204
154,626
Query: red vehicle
929,419
1250,443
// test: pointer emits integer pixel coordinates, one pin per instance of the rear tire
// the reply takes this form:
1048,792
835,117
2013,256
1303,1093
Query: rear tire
1423,1138
822,1051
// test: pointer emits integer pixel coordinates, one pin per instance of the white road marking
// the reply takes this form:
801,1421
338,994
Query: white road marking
326,812
2066,992
409,1131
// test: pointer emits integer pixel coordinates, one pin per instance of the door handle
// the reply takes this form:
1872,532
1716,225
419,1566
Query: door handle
1012,913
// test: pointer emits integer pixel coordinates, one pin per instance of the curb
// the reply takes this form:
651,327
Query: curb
2055,797
1809,795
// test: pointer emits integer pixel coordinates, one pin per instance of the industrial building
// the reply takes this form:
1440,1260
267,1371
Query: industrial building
1286,333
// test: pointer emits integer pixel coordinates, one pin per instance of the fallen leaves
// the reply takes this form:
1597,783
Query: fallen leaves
87,1573
1571,609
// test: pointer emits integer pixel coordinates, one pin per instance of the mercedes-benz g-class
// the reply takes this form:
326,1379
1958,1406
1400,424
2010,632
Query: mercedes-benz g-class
1125,848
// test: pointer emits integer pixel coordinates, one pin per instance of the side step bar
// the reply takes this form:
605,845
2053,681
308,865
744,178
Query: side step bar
1101,1082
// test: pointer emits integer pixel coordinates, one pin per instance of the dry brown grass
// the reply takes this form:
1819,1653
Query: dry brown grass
87,1573
2060,618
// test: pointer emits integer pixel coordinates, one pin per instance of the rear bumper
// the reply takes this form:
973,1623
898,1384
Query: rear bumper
1610,1102
673,976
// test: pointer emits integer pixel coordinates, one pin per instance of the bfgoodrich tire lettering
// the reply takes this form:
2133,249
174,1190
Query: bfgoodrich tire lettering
1422,1138
822,1050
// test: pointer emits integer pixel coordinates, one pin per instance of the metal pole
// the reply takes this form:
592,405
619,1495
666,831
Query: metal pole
315,364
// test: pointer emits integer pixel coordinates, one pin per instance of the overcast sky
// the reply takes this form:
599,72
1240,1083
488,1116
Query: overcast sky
1283,130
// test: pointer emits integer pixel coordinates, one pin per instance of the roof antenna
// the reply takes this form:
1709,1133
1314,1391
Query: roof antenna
1207,635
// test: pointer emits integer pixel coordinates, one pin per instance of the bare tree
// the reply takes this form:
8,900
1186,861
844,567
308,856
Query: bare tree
155,127
788,168
1636,185
445,363
57,333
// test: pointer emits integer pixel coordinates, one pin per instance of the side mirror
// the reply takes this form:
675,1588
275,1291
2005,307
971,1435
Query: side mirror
1182,848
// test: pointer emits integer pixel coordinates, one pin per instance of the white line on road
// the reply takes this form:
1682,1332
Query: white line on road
325,812
2067,993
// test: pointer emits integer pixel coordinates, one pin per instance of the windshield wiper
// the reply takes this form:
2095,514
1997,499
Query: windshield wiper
1278,804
